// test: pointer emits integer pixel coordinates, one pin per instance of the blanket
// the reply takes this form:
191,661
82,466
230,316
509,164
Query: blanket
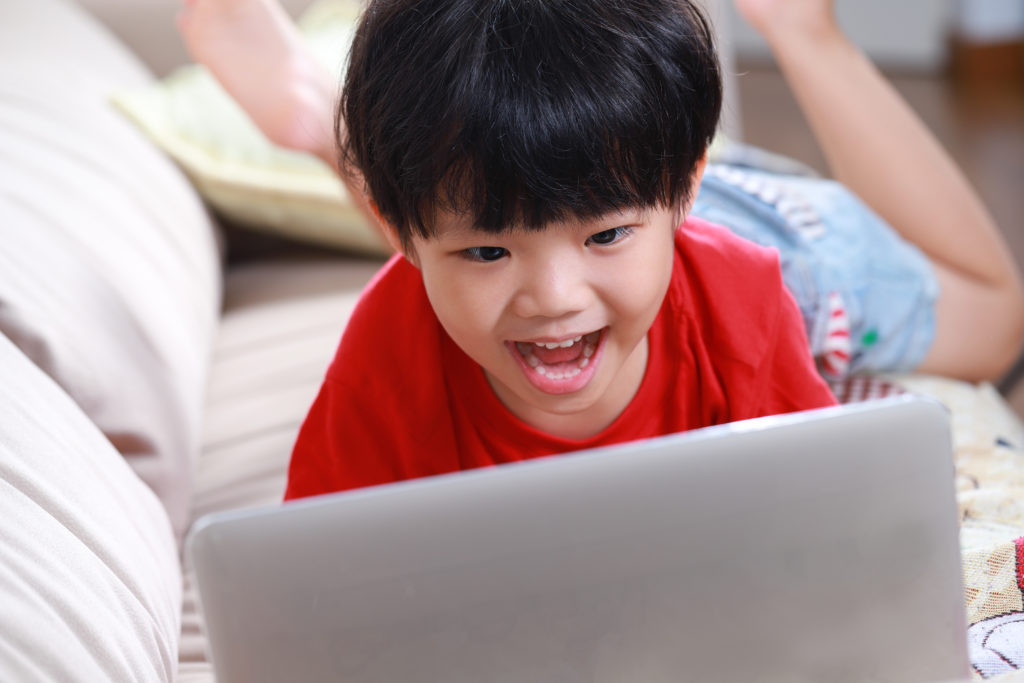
988,445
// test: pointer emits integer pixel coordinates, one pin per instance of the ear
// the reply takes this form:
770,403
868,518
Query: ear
698,174
390,233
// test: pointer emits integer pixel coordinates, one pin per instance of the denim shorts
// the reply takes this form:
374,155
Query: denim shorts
851,274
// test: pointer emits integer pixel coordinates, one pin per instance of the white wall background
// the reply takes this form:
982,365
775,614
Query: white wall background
990,21
904,34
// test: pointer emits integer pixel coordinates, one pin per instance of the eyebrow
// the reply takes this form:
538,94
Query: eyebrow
465,229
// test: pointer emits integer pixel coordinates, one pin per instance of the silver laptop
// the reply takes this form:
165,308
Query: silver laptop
819,546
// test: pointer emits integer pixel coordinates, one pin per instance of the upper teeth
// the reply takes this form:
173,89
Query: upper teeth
558,345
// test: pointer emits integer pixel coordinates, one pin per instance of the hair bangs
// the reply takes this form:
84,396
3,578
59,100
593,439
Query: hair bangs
527,112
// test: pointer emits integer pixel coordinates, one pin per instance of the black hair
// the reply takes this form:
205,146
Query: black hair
523,112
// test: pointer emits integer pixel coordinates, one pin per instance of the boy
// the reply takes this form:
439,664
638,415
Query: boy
532,161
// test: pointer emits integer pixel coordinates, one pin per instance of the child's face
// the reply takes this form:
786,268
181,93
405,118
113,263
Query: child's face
557,318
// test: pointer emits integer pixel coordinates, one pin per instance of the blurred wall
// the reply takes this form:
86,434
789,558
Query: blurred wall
724,24
148,28
907,35
989,21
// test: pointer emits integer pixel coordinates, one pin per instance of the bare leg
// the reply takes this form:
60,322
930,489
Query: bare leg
878,147
254,49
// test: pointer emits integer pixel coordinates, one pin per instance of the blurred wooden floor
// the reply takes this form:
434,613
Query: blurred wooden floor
982,127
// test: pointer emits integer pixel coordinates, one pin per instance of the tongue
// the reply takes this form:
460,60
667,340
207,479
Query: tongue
552,356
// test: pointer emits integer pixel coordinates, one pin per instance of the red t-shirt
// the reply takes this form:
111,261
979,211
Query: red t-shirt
401,400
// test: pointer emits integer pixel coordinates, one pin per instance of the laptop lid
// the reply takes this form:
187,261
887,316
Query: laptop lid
818,546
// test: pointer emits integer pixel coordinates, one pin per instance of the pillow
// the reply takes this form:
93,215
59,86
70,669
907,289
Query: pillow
90,582
110,276
244,177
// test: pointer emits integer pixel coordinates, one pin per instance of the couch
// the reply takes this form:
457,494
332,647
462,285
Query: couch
154,366
157,360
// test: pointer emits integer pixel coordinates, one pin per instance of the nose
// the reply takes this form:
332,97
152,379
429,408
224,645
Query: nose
553,286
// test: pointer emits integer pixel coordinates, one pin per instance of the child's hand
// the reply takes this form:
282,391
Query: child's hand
778,20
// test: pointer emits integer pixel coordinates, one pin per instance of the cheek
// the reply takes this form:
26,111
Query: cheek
467,308
639,286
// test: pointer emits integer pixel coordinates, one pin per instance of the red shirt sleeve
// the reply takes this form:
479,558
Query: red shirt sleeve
788,375
310,471
338,446
748,322
379,416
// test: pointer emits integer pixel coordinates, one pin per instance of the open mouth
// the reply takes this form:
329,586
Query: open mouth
559,366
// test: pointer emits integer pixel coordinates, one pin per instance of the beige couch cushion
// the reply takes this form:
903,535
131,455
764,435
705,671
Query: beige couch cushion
89,583
109,275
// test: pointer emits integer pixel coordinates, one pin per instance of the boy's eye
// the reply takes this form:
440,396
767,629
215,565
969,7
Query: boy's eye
610,236
485,254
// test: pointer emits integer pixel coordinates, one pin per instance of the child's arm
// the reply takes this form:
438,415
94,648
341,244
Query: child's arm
876,146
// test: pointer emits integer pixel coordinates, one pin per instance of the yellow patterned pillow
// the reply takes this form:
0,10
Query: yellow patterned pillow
241,174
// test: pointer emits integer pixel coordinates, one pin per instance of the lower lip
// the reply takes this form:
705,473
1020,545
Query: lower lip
567,385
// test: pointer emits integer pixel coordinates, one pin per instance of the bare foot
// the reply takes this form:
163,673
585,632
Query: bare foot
254,49
780,20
